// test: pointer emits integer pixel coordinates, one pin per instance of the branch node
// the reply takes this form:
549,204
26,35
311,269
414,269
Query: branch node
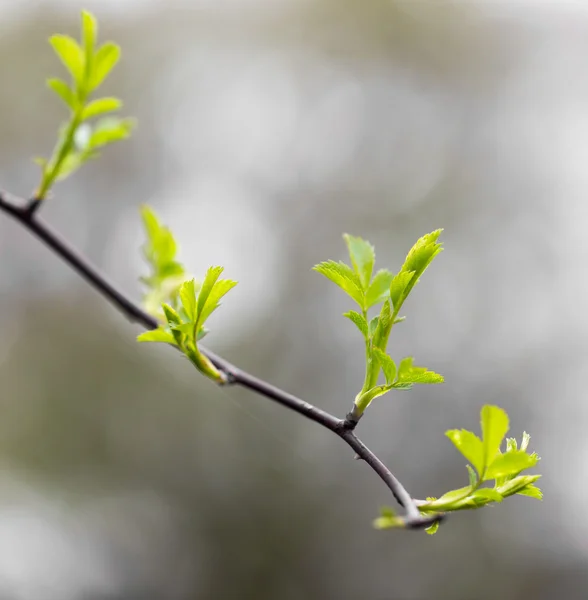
32,207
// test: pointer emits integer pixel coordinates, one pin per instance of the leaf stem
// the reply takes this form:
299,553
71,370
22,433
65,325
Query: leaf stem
59,154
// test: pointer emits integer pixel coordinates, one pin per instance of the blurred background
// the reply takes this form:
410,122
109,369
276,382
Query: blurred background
266,130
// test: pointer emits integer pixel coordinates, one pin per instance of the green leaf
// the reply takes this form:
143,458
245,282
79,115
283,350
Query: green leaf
100,107
212,274
487,494
161,247
388,365
363,399
511,445
408,373
188,299
423,252
219,289
363,256
531,491
399,284
167,274
156,335
432,530
171,315
63,91
380,336
71,163
186,329
71,55
89,31
150,222
451,498
494,422
417,261
104,61
110,129
511,463
472,476
373,326
388,519
516,485
470,445
379,289
342,275
359,321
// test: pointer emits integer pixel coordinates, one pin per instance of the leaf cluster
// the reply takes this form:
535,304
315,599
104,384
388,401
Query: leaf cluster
80,138
368,289
486,464
185,305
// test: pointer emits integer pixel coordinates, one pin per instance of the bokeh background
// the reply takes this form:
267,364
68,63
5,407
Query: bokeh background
266,130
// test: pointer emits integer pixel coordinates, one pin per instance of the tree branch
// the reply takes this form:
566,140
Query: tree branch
26,214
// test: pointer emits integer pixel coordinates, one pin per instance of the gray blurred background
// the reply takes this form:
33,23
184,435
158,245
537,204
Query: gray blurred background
266,130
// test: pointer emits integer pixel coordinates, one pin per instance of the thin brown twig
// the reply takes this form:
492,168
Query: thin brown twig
25,213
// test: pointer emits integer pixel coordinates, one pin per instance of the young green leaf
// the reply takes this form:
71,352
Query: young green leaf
110,129
399,284
63,91
364,399
511,463
186,329
379,289
220,288
156,335
417,261
380,336
210,279
188,299
432,530
388,519
531,491
171,315
387,364
71,163
472,476
71,55
160,248
343,276
363,256
359,321
470,445
89,33
516,485
494,422
373,326
450,500
423,252
408,373
487,494
100,106
104,61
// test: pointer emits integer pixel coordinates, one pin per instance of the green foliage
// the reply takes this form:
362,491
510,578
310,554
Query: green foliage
487,463
88,66
167,274
182,305
390,290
